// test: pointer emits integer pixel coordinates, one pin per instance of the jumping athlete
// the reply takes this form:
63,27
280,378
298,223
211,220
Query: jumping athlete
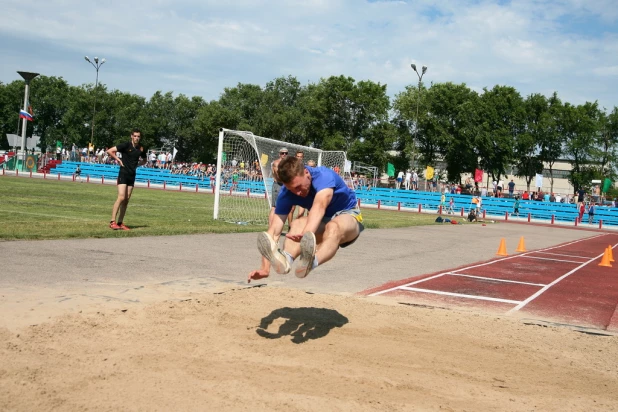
334,220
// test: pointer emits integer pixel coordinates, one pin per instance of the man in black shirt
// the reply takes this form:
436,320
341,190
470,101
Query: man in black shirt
132,152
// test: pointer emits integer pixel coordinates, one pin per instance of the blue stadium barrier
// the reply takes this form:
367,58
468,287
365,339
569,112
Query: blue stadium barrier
393,198
495,207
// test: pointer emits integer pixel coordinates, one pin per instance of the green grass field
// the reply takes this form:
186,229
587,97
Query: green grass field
51,209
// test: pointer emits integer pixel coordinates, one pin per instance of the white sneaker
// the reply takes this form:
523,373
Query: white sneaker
304,262
269,249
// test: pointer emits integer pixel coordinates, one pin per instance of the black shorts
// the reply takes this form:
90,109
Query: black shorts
126,179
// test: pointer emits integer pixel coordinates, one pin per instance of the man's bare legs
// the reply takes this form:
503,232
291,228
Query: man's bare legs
342,229
120,206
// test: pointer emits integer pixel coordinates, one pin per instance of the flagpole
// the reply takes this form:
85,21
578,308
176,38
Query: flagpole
27,77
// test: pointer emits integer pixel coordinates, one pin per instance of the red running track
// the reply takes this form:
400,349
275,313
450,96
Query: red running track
562,283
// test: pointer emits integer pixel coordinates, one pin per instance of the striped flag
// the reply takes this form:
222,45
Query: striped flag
25,115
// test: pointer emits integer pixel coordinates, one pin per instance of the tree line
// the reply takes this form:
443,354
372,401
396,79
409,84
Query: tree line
446,122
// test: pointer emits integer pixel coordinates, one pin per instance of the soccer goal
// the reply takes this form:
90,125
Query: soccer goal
243,183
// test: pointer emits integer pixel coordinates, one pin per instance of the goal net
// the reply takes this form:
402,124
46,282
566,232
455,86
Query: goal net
244,181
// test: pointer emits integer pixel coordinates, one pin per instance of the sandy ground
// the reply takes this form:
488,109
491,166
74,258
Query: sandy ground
268,348
192,335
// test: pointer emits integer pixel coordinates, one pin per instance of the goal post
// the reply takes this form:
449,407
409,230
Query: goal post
243,180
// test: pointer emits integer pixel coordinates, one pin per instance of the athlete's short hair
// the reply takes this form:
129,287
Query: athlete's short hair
289,168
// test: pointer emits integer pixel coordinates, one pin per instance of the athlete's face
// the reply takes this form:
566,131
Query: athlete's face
135,138
300,185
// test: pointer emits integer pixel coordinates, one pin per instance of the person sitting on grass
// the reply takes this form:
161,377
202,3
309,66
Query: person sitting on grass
472,217
334,220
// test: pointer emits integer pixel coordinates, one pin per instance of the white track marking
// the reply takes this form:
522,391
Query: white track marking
460,295
497,280
540,292
564,254
555,260
407,284
481,264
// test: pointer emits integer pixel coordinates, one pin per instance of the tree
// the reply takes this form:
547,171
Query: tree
501,112
526,149
552,139
579,124
607,143
11,96
452,123
280,112
339,111
49,97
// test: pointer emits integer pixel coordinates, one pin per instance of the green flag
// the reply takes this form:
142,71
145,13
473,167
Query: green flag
390,170
58,143
607,183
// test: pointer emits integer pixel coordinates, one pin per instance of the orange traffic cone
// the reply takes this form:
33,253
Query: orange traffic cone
611,253
605,260
522,245
502,248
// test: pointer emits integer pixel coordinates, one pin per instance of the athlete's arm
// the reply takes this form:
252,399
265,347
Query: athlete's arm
112,153
316,214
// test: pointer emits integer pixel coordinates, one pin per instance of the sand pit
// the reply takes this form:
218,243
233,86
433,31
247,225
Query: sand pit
269,348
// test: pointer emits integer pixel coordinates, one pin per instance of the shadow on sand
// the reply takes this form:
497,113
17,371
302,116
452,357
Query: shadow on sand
302,324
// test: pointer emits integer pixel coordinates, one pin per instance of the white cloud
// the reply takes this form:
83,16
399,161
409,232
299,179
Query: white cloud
570,46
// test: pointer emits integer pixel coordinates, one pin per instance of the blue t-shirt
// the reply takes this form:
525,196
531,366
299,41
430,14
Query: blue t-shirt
322,177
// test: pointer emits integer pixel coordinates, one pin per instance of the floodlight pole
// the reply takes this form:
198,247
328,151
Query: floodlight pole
97,65
418,100
27,76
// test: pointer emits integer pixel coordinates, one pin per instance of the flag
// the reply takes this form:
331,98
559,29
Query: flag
58,144
25,115
264,159
348,166
390,170
539,180
607,183
478,175
429,173
174,153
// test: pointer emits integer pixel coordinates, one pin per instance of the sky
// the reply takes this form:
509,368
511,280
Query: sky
200,47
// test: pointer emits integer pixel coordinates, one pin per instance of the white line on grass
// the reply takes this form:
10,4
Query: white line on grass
48,215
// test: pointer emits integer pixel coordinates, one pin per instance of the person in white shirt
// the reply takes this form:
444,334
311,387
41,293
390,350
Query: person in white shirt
399,179
415,181
408,179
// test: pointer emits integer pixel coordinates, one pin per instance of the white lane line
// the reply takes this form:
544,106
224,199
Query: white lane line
540,292
564,254
461,295
555,260
497,280
482,264
407,284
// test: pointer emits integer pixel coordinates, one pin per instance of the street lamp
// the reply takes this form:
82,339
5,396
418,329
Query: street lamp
418,99
97,65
